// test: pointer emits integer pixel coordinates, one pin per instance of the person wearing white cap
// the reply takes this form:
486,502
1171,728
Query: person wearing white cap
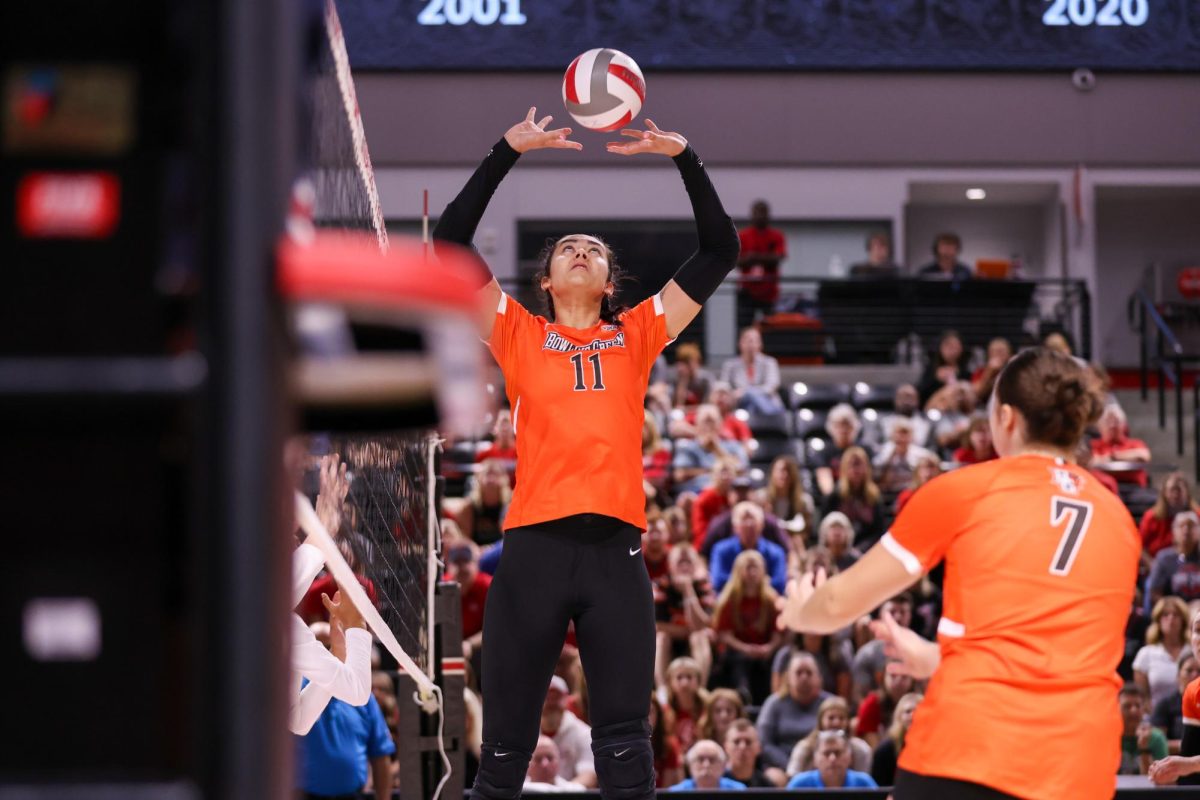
571,734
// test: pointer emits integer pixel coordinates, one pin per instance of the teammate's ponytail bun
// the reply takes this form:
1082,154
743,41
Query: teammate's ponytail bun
1058,396
610,308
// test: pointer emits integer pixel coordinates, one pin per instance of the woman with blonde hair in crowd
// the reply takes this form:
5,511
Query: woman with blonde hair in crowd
843,426
833,715
1156,665
744,619
683,615
928,468
787,499
836,535
679,529
858,497
723,707
883,760
482,517
1174,495
686,698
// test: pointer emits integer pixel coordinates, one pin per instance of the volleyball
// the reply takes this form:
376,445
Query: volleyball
603,89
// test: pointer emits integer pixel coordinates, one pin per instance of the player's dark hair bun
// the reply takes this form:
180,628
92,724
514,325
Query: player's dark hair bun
1058,396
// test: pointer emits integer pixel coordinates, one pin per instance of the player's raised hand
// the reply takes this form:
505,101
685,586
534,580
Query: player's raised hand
331,496
915,656
529,135
651,140
799,591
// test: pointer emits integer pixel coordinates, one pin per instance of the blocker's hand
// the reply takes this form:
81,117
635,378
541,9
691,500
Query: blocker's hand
651,140
528,135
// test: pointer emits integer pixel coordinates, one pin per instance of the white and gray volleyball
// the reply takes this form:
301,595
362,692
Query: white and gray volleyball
603,89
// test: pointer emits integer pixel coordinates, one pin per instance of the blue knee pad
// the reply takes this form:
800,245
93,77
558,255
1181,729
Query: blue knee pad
501,773
624,760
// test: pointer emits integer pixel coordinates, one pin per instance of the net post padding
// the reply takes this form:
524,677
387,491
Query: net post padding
307,518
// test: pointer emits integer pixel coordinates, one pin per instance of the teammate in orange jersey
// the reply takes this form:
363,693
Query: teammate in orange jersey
1040,568
1185,767
576,380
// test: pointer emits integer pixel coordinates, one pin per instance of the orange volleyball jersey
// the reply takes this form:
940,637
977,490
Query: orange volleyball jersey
1191,705
1040,568
578,403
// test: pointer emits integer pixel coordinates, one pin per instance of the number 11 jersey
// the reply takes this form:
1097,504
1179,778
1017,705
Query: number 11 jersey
578,402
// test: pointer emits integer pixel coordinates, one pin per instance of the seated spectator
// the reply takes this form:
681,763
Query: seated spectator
462,567
754,375
695,458
733,426
683,612
744,751
482,518
843,426
859,498
947,366
833,767
1177,571
679,530
1174,496
504,445
721,528
928,467
1168,712
906,402
999,351
744,619
879,263
1115,444
543,774
945,265
724,707
715,499
1083,457
787,499
690,381
899,456
834,715
656,457
747,528
1058,342
791,713
833,655
572,736
883,760
870,660
875,712
686,698
1156,665
837,536
706,762
1141,743
951,409
668,757
976,443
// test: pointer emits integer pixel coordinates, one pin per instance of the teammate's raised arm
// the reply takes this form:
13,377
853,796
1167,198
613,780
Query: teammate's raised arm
701,274
461,217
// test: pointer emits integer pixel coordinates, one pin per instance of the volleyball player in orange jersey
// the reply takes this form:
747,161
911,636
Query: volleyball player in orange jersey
1184,768
576,380
1040,564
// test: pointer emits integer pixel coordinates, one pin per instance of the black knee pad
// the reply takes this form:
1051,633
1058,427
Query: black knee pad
501,773
624,760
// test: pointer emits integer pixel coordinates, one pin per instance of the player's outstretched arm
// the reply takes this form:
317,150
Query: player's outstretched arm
701,274
816,605
458,222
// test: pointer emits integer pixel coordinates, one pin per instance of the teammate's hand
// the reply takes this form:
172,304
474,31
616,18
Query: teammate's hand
916,656
1169,770
528,135
651,140
342,612
331,497
799,591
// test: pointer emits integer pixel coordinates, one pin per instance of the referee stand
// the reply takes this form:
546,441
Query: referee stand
417,748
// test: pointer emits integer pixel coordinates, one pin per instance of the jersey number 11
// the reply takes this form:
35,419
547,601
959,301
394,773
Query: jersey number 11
597,373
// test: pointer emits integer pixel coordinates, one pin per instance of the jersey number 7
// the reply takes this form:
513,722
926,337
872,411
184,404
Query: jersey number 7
1078,515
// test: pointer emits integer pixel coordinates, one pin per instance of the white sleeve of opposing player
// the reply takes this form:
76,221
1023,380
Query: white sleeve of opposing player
307,708
307,561
349,681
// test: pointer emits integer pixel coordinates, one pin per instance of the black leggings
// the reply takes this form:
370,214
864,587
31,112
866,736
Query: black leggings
914,786
587,568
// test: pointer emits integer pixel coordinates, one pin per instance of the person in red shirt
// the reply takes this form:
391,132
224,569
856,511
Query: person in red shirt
1115,444
713,501
576,379
1174,496
976,444
875,712
763,249
462,567
744,619
504,445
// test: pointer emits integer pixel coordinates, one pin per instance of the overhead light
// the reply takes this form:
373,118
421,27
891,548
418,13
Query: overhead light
976,193
800,388
862,388
742,414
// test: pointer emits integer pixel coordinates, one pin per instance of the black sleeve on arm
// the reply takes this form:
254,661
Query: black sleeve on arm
458,222
701,274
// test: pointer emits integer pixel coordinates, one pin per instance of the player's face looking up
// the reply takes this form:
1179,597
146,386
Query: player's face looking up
579,269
